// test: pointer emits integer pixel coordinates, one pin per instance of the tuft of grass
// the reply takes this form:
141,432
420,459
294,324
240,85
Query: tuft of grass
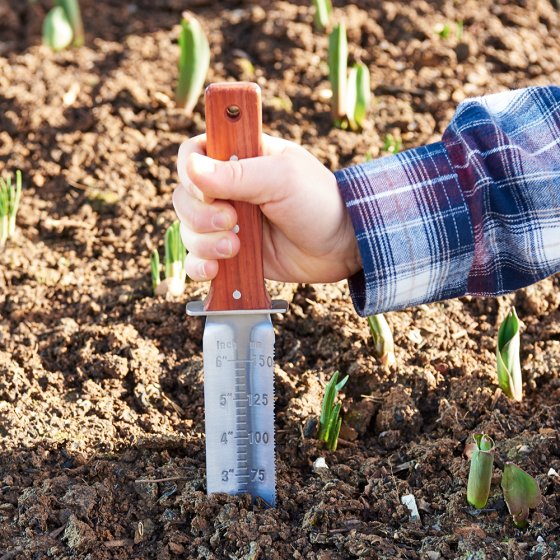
330,420
57,29
10,195
194,61
392,144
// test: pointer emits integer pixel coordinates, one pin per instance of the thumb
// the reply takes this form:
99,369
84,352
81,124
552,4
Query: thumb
257,180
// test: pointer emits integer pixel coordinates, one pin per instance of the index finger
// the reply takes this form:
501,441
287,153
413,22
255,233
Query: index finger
196,144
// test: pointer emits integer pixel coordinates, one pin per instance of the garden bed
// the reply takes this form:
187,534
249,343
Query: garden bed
101,383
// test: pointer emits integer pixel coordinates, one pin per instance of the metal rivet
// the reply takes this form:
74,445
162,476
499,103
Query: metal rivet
233,158
235,228
233,111
236,294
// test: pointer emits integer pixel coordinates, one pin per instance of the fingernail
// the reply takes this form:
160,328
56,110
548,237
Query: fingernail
202,165
221,221
224,248
202,270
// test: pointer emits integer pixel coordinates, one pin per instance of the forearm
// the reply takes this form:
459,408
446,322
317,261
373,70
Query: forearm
478,213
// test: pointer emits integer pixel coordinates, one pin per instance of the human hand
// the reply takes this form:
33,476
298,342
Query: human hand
307,231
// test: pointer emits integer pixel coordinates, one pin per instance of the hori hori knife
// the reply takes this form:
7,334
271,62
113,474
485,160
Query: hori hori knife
238,343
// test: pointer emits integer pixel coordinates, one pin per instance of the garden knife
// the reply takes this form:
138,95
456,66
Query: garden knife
238,342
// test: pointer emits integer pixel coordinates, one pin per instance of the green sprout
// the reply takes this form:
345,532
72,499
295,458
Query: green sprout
330,420
338,64
173,264
323,13
391,144
444,30
10,196
73,14
351,92
358,95
507,356
194,61
521,493
57,29
382,339
154,265
480,474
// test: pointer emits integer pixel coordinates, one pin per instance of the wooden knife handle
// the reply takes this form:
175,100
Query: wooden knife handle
234,128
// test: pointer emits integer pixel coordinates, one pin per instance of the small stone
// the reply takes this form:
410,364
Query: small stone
319,465
409,501
176,548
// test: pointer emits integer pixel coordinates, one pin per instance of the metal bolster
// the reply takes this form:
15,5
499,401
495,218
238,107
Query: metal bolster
196,309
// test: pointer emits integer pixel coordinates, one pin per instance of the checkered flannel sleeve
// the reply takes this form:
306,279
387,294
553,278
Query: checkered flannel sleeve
477,213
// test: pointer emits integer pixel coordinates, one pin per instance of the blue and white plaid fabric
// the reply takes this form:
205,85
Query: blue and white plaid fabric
477,213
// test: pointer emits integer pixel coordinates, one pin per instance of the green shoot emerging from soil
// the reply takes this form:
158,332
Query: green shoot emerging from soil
73,14
57,29
323,14
480,474
330,420
391,144
521,493
382,340
507,356
173,264
9,203
194,61
351,92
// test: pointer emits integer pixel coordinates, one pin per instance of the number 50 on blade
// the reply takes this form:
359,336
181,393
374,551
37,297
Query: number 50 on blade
238,343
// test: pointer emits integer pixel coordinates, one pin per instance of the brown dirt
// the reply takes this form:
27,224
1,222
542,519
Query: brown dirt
101,384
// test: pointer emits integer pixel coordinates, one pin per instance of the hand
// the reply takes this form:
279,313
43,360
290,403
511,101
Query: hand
307,231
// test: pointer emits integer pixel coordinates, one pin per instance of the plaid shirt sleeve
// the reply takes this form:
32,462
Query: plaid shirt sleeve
475,214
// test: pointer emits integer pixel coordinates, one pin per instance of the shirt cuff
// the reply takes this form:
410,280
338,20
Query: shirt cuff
413,229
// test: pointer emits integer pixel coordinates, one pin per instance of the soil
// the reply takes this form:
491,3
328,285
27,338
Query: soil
101,401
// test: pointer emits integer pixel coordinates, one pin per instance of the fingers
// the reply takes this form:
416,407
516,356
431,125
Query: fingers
257,180
200,270
208,246
202,217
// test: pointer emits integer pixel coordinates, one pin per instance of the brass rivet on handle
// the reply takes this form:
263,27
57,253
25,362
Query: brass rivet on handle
233,112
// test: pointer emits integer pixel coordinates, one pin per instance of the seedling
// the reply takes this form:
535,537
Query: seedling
63,25
391,144
351,92
521,493
507,356
323,13
73,14
444,30
173,264
382,339
480,474
9,203
57,29
194,61
330,420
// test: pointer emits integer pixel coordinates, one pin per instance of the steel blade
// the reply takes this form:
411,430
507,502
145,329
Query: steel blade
239,405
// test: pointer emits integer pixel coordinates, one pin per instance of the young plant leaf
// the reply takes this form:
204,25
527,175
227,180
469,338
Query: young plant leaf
10,196
73,14
323,13
154,265
330,420
57,29
521,493
358,95
507,356
382,340
194,62
338,63
480,473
